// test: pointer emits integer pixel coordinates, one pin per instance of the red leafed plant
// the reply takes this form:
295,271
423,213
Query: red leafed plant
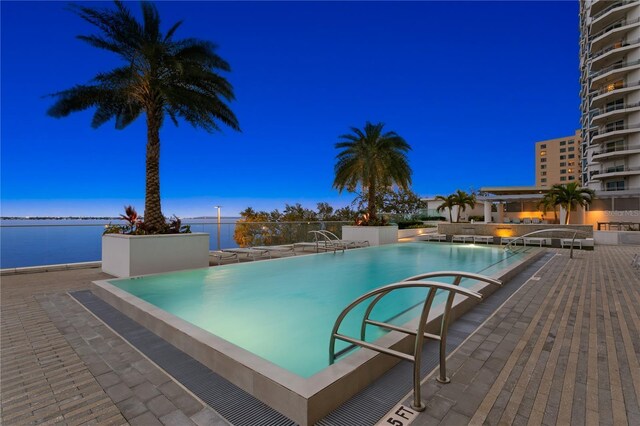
134,225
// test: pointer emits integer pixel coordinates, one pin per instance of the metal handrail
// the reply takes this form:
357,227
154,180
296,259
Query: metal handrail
337,240
618,24
522,237
325,242
416,358
442,337
614,46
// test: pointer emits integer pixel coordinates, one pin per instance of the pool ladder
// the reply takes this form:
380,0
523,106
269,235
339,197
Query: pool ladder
416,357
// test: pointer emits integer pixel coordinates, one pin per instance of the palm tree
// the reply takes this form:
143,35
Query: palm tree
448,202
372,159
463,200
548,202
160,77
571,195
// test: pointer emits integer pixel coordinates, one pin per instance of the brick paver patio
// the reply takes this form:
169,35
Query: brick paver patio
565,349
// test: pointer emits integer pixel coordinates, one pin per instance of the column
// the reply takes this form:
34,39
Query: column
487,211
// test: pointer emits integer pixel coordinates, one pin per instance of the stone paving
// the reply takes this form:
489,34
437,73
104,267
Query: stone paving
565,349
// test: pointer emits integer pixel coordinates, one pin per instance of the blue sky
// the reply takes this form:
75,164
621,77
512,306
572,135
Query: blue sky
470,85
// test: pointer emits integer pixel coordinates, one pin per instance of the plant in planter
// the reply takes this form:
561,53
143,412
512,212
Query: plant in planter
372,160
134,225
159,76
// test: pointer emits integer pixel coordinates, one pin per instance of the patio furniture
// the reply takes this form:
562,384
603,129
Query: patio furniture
507,240
249,252
220,255
536,221
527,221
332,238
432,237
535,241
287,249
567,242
483,239
462,238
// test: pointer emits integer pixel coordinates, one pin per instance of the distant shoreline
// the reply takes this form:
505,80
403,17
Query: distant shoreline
95,217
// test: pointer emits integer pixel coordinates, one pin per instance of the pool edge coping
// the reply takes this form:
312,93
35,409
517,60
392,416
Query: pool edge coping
304,400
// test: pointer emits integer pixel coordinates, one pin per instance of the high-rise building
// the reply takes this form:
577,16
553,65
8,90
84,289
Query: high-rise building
558,160
610,96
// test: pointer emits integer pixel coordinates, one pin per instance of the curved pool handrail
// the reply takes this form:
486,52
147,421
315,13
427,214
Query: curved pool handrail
442,337
573,239
433,287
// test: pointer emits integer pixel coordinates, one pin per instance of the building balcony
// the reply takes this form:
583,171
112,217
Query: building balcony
615,153
613,112
613,131
617,29
609,15
613,72
597,6
611,92
614,171
613,52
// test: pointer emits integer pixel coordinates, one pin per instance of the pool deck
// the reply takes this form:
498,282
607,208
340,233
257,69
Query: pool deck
564,349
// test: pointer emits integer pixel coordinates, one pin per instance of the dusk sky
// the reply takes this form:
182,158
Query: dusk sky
471,86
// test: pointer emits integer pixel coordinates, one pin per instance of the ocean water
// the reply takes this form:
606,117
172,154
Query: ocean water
49,242
283,310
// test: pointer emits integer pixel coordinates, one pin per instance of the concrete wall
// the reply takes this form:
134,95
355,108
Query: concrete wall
617,237
376,235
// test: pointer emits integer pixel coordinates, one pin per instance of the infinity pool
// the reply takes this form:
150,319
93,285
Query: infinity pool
283,310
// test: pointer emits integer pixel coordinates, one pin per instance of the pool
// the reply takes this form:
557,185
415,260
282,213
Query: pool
275,317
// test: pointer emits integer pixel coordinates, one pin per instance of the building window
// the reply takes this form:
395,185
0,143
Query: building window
570,170
563,157
543,166
617,185
572,148
570,163
543,146
563,171
563,178
571,142
543,180
563,164
563,143
572,177
543,152
563,149
570,156
543,160
543,173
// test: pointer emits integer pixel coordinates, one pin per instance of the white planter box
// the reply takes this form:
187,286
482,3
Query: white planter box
131,255
376,235
406,233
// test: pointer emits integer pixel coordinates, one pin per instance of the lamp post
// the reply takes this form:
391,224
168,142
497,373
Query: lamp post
218,207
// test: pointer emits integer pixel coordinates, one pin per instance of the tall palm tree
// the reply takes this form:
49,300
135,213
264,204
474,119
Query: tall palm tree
448,202
463,200
548,202
373,159
571,195
160,76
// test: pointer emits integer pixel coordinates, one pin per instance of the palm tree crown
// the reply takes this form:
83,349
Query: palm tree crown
160,76
373,159
571,195
463,200
447,203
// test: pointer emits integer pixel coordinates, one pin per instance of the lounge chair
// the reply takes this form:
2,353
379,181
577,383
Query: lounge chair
283,250
483,239
333,239
253,253
566,242
535,241
432,237
462,238
536,221
506,220
527,221
220,255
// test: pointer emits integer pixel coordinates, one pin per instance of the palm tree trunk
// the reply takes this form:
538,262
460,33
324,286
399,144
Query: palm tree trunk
566,221
153,217
371,202
450,215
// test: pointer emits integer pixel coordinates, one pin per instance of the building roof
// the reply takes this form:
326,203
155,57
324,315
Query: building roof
514,190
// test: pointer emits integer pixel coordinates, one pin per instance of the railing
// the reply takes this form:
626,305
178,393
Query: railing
621,23
614,67
617,169
610,8
420,334
613,46
617,149
614,128
615,107
609,89
25,243
513,242
618,226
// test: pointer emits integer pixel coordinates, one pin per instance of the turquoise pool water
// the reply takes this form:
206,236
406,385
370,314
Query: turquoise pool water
283,310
